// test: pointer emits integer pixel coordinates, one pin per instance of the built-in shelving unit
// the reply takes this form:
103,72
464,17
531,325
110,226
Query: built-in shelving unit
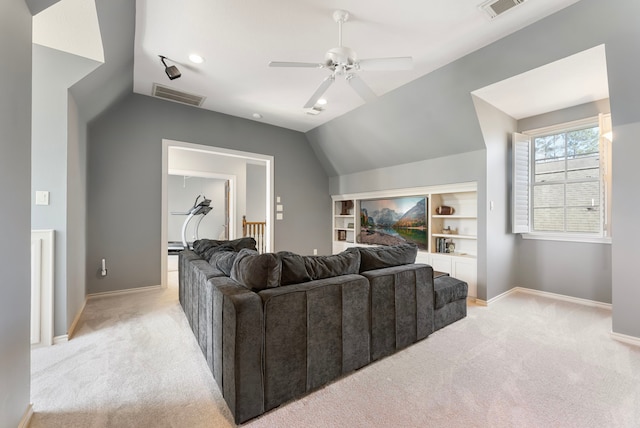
344,223
452,238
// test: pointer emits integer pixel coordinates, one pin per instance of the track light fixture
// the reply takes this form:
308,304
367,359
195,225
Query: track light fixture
171,70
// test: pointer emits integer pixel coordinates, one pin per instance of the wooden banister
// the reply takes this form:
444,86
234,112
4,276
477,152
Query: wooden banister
256,230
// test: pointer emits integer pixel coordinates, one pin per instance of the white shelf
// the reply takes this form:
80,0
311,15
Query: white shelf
455,216
453,235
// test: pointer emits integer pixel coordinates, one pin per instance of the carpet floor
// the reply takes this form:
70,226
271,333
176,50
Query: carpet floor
525,361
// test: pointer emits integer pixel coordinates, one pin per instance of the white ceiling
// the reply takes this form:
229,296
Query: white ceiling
575,80
239,38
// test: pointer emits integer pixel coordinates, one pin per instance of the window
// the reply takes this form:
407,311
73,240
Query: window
561,180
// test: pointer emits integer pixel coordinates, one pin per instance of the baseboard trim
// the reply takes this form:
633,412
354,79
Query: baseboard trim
26,418
127,291
74,324
495,299
584,302
578,300
630,340
60,339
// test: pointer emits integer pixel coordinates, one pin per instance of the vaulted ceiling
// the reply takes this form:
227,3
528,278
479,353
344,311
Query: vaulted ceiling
417,112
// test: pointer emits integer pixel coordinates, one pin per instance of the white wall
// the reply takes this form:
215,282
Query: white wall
181,195
202,162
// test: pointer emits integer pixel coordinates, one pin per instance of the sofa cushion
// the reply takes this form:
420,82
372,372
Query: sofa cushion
448,289
294,270
385,256
256,271
206,247
223,259
344,263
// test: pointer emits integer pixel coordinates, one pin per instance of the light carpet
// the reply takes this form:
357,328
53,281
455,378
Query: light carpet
525,361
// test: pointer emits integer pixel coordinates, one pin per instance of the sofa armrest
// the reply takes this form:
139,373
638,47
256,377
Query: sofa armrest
234,342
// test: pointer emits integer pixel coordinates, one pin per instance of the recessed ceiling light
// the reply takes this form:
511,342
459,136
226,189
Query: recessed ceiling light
257,116
322,101
196,59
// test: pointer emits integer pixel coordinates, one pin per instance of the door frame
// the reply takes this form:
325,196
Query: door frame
267,160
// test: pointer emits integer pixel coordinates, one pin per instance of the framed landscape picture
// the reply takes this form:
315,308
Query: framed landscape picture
392,221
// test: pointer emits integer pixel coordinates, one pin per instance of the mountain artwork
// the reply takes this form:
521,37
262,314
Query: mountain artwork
394,221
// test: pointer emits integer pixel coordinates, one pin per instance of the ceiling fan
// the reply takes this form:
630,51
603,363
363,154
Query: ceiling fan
343,61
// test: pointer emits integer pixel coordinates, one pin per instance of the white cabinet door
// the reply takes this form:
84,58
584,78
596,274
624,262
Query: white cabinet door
441,264
465,270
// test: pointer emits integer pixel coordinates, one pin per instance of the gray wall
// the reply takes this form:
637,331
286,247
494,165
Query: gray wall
76,213
574,269
124,184
256,192
56,140
581,26
15,170
500,242
181,194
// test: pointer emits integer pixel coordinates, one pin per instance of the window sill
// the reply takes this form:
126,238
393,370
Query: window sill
567,238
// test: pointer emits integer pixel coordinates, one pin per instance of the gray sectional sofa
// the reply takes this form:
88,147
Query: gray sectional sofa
276,326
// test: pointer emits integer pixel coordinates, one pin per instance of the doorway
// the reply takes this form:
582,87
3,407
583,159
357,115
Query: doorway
246,189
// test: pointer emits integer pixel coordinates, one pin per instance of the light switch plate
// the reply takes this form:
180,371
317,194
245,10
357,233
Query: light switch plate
279,208
279,216
42,197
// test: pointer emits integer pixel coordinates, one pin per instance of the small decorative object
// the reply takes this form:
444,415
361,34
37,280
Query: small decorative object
350,225
346,207
444,210
448,231
451,247
342,235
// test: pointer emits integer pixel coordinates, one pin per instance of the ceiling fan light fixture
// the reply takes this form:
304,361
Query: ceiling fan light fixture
171,70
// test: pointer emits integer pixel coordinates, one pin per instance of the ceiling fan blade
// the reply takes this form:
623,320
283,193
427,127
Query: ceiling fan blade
321,90
361,88
295,64
383,64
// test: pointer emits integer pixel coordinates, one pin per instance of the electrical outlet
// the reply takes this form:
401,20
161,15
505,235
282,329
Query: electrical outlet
315,251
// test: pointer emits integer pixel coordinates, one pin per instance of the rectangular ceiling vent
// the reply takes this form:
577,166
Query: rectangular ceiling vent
166,93
495,8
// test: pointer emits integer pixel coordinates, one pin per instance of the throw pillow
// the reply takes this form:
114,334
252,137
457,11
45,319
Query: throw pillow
223,260
294,270
256,271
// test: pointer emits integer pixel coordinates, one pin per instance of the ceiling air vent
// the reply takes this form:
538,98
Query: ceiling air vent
494,8
167,93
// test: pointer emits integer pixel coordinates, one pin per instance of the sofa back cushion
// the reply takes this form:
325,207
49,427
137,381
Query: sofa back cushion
206,247
385,256
223,259
297,269
256,271
294,270
344,263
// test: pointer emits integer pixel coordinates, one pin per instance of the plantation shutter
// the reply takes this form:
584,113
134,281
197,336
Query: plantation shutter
606,138
520,197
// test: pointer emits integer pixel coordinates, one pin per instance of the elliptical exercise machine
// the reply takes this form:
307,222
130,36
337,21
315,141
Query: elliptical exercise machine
199,210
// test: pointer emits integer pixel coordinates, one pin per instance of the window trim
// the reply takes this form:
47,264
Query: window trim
603,121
